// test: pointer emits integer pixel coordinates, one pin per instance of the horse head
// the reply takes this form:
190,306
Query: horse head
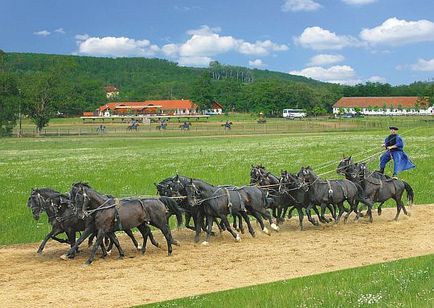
344,165
36,203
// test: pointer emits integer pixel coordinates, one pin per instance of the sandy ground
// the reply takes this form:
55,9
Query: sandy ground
27,279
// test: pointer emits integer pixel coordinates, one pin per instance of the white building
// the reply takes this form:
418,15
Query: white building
389,106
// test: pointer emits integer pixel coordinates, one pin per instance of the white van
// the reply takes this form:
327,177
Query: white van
294,113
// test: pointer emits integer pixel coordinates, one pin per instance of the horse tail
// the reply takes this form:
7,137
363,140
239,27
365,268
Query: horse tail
173,207
410,193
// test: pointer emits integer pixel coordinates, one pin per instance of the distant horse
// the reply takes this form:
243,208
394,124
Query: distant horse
377,186
185,126
133,126
227,125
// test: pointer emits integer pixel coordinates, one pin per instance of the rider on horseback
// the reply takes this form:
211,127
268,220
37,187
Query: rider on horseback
394,145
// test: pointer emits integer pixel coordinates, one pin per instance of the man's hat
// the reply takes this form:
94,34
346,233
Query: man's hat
393,127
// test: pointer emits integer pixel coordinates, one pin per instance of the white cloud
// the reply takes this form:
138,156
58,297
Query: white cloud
324,59
396,31
423,65
115,46
257,63
60,30
300,5
194,61
358,2
377,79
259,48
321,39
81,37
206,42
42,33
335,74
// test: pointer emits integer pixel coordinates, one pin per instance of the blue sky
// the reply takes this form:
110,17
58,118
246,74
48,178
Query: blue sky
344,41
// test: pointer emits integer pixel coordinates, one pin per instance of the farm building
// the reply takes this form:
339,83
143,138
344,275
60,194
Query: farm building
397,105
111,91
168,107
216,108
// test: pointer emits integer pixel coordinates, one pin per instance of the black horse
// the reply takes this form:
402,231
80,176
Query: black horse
377,186
278,202
335,192
112,214
61,214
220,201
78,196
296,192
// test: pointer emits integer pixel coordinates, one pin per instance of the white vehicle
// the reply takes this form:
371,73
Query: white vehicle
294,113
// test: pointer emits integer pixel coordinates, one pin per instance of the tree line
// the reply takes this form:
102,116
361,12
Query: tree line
43,86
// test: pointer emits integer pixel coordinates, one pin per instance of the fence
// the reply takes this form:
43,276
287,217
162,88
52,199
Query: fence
213,128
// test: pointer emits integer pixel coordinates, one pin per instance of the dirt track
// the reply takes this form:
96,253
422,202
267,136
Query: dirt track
27,279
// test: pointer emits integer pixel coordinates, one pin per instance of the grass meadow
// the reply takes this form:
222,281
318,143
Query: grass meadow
128,166
403,283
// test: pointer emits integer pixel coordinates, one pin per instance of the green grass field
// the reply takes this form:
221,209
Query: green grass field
129,166
403,283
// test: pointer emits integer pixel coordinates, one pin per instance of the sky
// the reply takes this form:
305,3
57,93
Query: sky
340,41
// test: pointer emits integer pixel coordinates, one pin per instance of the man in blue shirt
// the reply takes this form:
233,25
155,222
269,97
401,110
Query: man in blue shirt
394,145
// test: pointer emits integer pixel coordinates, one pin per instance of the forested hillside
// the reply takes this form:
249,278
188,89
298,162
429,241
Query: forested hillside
47,84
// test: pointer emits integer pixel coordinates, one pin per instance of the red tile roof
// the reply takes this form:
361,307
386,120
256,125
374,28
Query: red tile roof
364,102
163,104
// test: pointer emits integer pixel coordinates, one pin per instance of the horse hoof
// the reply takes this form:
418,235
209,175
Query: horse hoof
253,234
109,252
139,247
205,243
265,230
88,262
379,212
176,243
274,227
238,238
64,257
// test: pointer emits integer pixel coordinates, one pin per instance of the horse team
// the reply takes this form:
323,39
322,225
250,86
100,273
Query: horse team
267,198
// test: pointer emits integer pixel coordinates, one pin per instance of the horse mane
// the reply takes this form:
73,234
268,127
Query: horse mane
85,184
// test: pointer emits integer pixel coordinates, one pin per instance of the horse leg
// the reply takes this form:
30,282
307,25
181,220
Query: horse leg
71,252
133,239
309,216
322,218
240,223
290,212
398,209
115,240
267,216
143,229
166,232
260,221
379,210
341,211
198,220
208,231
46,238
300,217
98,242
249,225
228,226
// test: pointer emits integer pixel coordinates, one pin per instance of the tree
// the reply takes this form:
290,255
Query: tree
9,95
202,92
